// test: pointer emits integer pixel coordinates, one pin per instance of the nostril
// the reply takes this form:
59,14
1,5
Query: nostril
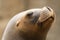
48,8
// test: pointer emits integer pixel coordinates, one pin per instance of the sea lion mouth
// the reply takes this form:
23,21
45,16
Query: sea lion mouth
52,18
45,22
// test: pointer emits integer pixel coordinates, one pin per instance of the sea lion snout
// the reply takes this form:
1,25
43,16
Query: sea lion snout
46,13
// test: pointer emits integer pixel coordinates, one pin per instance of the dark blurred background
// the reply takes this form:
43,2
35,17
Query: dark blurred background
9,8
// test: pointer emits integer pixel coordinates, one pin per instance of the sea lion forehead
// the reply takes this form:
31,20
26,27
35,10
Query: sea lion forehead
34,11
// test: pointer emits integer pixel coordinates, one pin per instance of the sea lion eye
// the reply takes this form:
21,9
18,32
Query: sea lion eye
30,14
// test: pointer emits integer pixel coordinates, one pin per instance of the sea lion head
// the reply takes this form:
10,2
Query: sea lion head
36,23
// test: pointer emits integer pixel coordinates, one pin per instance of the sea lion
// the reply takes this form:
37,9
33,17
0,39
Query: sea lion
32,24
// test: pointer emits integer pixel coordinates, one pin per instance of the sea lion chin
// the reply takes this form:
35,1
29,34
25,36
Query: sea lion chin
32,24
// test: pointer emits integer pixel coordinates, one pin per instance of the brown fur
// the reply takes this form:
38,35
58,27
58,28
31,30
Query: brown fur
33,25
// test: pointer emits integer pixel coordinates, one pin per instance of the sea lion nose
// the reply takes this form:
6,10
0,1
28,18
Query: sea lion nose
48,8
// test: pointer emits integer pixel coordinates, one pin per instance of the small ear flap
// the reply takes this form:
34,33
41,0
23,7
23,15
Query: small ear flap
17,23
30,14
